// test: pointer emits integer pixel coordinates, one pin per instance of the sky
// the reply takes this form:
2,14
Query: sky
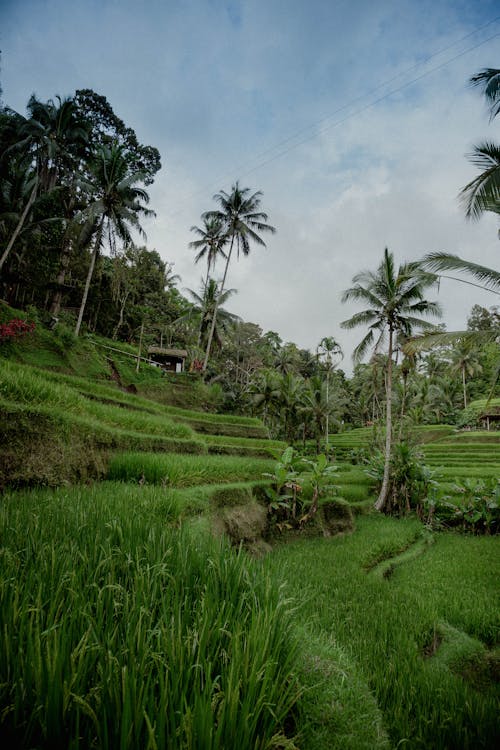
353,117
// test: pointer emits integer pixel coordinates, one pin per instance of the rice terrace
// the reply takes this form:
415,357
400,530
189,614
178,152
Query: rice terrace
214,539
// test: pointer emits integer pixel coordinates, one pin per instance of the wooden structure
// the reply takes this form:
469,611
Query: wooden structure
170,360
490,417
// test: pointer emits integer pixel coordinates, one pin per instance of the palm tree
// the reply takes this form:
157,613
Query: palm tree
395,300
327,349
483,193
316,407
265,392
489,80
464,361
242,219
489,279
49,140
204,308
287,359
115,207
210,244
439,261
291,395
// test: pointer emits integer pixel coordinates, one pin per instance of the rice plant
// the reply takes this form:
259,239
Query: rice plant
122,633
183,470
389,624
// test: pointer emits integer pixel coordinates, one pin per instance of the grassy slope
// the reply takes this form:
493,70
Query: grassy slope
386,624
338,709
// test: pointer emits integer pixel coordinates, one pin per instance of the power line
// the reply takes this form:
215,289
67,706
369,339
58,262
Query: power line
416,66
314,127
372,103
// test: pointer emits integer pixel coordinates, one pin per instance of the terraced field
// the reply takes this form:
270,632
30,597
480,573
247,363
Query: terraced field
454,456
172,640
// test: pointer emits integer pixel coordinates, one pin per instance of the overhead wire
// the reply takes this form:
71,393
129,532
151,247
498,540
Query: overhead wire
247,168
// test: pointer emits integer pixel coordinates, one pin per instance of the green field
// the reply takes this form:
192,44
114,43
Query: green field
126,623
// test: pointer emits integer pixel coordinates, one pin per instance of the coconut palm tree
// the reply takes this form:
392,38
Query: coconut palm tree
489,279
465,362
212,238
483,193
489,80
239,212
395,300
49,140
291,395
114,209
328,349
265,393
204,306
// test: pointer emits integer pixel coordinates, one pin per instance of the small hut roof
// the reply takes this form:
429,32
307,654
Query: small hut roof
491,411
168,352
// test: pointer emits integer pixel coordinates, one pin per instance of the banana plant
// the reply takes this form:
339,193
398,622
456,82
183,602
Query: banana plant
318,473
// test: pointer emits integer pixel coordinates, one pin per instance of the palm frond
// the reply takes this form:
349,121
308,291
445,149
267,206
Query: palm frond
483,192
439,261
489,80
365,317
448,338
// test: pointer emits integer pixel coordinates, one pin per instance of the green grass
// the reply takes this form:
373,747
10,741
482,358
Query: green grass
386,624
183,470
29,386
119,632
110,392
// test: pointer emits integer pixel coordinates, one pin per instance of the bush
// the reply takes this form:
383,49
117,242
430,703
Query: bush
478,513
15,329
409,478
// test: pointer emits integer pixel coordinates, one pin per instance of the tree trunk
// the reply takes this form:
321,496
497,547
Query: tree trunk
313,508
464,388
327,425
19,226
403,406
55,306
89,278
140,347
381,502
122,315
212,327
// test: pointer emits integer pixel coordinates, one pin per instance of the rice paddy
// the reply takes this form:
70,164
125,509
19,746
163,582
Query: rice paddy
125,624
389,625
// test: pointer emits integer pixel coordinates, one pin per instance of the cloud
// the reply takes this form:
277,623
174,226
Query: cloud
371,154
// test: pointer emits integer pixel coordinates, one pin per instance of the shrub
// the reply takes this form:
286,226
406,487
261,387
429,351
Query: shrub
409,478
15,329
477,513
289,505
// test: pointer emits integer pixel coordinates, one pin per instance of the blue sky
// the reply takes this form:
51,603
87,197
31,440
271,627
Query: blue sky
352,117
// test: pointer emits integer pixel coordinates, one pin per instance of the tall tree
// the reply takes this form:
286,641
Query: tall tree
204,306
328,350
209,246
115,209
395,299
50,140
106,129
239,212
483,193
464,360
